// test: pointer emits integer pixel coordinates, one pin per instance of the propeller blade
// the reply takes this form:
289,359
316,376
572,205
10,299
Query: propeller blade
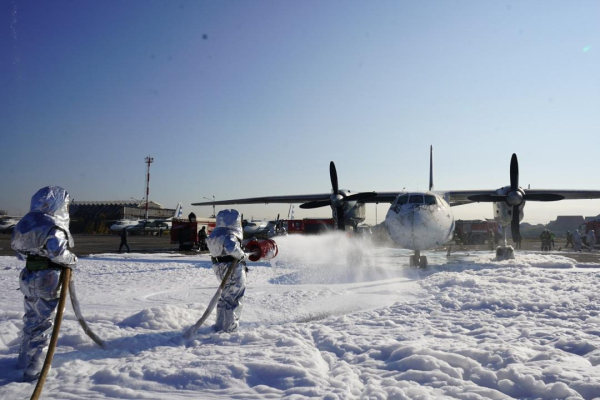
514,224
487,198
333,176
360,196
340,218
514,173
316,204
543,197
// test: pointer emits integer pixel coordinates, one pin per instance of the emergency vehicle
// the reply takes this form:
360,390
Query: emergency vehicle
185,232
308,226
474,231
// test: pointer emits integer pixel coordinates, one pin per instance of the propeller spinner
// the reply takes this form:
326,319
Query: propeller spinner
338,198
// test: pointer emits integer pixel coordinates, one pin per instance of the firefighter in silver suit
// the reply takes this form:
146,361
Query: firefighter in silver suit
225,246
42,239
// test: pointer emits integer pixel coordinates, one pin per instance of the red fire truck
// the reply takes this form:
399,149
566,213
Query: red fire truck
591,226
308,226
185,232
474,231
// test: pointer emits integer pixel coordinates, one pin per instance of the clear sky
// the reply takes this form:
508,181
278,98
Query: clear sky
250,98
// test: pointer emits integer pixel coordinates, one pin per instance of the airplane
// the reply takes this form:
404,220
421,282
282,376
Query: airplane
151,225
7,224
423,220
260,229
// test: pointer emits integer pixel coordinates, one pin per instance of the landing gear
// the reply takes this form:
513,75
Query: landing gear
505,252
418,260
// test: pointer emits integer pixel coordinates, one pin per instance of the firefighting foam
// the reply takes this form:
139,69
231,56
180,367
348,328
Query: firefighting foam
334,257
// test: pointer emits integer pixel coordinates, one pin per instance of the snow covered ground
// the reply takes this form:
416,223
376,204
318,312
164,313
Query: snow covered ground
323,320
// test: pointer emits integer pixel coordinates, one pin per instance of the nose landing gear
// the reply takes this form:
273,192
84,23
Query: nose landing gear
417,260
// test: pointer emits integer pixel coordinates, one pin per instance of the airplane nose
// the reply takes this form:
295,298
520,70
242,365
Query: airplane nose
420,227
427,228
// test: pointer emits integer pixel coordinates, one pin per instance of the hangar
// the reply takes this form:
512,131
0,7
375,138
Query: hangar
97,216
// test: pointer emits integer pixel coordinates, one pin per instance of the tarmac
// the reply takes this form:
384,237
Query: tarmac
86,244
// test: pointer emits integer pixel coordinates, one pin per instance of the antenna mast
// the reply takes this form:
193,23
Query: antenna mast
149,160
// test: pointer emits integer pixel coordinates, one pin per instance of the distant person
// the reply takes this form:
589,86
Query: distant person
569,239
577,241
491,239
546,238
43,240
552,237
225,246
202,239
124,235
591,239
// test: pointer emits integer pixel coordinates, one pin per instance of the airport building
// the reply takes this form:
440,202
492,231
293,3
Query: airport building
97,216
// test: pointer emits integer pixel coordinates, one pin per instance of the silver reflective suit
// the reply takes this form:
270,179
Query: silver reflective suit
226,241
43,232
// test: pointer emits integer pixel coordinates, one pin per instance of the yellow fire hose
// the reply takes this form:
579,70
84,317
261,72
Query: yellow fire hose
65,277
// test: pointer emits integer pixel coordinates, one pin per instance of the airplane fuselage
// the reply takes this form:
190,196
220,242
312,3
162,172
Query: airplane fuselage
123,224
259,229
420,221
7,224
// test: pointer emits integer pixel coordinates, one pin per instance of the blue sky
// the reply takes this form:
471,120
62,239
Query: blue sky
242,99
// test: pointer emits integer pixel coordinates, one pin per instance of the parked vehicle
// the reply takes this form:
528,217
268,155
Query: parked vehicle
474,231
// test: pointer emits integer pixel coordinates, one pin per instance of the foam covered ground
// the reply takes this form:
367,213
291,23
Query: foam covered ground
323,320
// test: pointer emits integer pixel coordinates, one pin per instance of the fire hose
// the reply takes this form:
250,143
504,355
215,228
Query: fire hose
82,322
65,277
67,286
256,249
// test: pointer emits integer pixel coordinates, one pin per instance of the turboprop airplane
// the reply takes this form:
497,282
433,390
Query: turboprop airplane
260,229
7,224
150,225
424,220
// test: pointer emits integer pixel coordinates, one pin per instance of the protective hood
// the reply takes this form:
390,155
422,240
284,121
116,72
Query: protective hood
49,209
226,238
54,201
230,220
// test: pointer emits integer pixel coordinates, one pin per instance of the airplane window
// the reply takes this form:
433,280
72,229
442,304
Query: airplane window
416,199
429,199
402,199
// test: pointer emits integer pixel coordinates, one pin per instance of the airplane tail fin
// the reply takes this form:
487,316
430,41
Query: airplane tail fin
178,211
430,168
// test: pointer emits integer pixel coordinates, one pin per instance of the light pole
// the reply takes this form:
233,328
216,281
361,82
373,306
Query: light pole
149,160
213,199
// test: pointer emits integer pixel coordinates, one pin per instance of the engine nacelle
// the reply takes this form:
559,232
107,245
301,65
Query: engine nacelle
261,249
503,213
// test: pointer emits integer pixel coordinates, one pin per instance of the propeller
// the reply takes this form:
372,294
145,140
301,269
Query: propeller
515,197
338,198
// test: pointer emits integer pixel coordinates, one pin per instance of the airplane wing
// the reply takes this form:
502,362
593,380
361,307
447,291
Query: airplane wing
567,194
453,197
460,197
302,198
382,197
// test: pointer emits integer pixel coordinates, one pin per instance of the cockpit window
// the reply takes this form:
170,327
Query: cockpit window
415,199
402,199
429,199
